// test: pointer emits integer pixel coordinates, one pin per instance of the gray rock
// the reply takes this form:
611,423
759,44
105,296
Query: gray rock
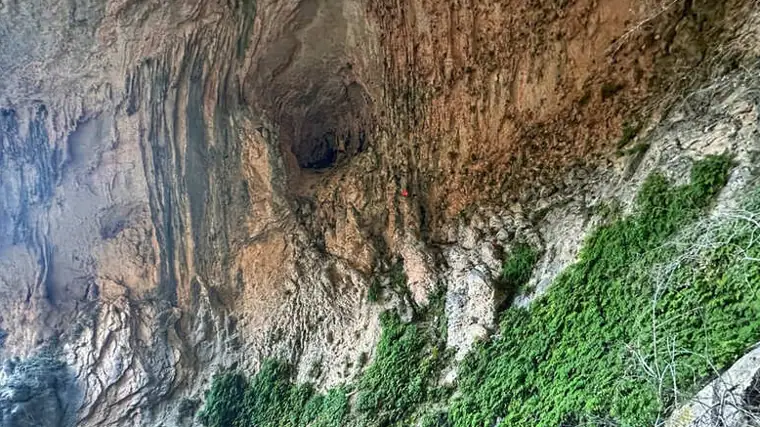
39,391
731,400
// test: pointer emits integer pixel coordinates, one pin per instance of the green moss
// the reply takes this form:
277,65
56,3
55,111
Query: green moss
402,375
396,282
576,355
224,401
398,277
393,389
329,410
270,399
435,419
517,268
609,211
375,288
401,380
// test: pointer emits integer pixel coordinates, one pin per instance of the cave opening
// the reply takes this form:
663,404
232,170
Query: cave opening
331,149
323,123
321,153
329,132
316,82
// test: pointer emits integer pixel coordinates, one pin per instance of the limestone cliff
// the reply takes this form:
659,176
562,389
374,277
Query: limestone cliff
193,185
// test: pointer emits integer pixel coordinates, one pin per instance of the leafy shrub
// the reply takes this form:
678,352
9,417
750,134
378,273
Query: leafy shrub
400,379
435,419
224,401
517,269
402,374
588,352
579,354
270,399
329,410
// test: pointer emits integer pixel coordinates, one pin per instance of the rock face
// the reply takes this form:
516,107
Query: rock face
151,215
39,391
191,185
731,400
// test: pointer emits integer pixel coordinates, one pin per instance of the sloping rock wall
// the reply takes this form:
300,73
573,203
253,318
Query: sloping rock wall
192,185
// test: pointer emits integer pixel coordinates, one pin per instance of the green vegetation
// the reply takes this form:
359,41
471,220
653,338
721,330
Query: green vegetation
517,269
224,401
609,211
657,304
402,376
396,282
602,344
400,380
270,398
375,288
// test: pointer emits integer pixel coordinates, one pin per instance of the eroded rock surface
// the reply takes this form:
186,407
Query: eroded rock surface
39,391
731,400
191,185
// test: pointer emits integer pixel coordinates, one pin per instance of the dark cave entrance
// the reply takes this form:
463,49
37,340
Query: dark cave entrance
316,82
329,149
320,154
330,128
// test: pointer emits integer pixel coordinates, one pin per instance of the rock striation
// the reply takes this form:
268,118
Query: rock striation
193,185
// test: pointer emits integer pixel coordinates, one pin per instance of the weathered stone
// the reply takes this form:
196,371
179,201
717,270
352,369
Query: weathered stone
731,400
192,185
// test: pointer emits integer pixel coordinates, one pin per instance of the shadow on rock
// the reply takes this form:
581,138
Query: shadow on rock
37,391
